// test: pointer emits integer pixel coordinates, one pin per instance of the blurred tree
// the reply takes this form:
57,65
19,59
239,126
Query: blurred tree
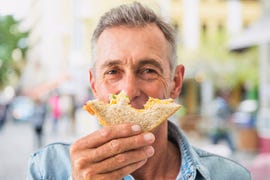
13,49
233,68
220,65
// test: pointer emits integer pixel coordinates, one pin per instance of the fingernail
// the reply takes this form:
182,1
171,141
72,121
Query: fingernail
149,137
149,151
135,128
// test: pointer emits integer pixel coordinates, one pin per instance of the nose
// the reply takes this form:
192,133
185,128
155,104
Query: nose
130,86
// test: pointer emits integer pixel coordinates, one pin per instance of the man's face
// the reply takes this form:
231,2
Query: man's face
133,60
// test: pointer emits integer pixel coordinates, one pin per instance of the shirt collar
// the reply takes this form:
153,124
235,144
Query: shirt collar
190,162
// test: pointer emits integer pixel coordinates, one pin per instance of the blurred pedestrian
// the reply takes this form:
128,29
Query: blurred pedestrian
37,120
222,114
55,110
3,113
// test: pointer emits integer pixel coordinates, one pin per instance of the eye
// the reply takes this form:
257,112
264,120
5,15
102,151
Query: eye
112,75
111,72
148,74
149,71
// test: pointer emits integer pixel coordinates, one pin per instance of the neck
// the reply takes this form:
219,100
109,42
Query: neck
165,164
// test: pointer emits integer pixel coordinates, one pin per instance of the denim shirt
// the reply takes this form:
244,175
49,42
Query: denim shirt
53,162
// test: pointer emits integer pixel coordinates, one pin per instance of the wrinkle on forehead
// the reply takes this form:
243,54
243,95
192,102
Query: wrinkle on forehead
132,46
148,37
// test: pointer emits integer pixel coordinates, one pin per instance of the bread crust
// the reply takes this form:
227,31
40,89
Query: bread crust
119,111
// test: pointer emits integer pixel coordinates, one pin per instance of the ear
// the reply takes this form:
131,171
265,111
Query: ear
177,81
92,82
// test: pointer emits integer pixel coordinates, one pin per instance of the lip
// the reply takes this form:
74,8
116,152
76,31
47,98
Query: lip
138,103
136,106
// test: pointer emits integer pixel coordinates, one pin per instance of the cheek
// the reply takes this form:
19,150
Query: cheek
157,89
164,86
101,91
104,90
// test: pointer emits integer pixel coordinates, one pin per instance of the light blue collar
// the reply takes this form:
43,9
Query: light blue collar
190,164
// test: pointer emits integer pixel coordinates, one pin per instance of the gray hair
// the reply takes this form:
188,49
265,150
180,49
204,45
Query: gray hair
135,15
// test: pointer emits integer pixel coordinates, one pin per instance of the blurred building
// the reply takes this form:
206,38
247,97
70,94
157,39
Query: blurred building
195,17
258,34
59,52
61,30
55,58
207,19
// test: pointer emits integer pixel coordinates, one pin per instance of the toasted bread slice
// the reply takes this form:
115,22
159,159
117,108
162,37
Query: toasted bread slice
119,111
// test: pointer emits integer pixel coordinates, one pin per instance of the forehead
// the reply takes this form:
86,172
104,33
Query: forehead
132,44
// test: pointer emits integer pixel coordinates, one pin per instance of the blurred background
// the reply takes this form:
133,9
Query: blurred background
45,58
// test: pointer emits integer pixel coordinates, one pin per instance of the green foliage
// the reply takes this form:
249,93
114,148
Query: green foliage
223,67
13,49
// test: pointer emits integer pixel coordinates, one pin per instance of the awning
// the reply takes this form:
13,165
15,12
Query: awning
256,34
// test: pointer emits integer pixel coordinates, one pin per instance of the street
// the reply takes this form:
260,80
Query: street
16,146
17,140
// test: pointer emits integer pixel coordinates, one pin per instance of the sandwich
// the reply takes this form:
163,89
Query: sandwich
119,111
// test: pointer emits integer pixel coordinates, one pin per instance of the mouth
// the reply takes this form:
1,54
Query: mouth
138,103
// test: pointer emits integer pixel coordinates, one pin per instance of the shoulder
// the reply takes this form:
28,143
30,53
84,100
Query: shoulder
52,149
219,166
51,161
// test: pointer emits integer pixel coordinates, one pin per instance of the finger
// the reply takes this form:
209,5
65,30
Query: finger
121,160
126,170
121,145
118,174
84,158
104,135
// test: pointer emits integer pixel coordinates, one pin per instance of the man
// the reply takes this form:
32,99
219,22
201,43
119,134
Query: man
38,119
222,115
133,50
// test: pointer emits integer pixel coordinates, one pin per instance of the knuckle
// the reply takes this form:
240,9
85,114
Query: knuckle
125,129
120,158
73,148
94,154
89,173
137,140
79,163
115,145
105,132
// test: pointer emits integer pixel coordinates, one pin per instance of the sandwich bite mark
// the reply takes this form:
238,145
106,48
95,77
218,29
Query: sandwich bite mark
119,111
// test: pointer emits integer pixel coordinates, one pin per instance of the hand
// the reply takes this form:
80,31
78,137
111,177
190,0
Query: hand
111,153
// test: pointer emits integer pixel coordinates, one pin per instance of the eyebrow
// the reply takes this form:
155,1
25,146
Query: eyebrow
111,63
117,62
151,62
